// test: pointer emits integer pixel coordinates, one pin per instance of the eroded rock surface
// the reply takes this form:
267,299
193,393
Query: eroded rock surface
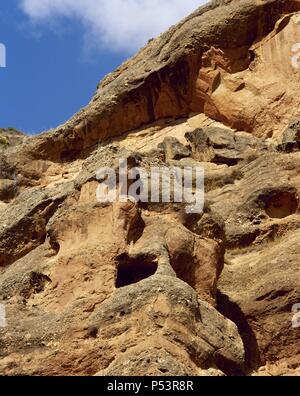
135,288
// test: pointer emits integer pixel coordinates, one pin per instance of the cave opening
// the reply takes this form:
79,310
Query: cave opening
131,271
281,205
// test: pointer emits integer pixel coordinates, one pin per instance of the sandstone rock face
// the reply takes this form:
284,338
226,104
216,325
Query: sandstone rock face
145,288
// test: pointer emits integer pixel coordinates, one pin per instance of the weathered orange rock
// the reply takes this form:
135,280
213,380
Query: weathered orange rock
135,288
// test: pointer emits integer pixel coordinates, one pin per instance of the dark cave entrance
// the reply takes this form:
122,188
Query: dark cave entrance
281,205
130,271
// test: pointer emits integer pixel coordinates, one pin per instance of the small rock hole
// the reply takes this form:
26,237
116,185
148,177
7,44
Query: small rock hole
92,332
281,205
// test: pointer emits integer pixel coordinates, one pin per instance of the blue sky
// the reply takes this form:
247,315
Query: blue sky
58,51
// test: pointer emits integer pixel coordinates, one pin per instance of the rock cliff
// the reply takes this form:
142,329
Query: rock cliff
139,288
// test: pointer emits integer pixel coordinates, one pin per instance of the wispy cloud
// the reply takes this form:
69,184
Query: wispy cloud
119,25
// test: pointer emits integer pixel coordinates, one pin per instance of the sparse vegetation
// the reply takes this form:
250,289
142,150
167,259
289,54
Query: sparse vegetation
11,129
4,142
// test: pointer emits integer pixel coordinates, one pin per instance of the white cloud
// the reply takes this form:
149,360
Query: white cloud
121,25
